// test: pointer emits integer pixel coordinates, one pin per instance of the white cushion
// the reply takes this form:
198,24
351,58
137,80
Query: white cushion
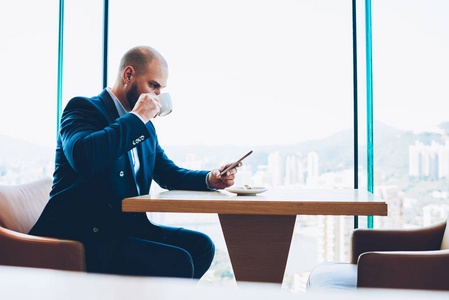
21,205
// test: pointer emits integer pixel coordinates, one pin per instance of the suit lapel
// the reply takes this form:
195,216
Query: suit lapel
112,115
108,103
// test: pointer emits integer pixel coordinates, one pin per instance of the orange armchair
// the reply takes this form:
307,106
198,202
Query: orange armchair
410,259
20,207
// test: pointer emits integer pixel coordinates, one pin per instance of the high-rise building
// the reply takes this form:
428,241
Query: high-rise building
429,161
312,167
294,169
414,159
276,168
334,234
443,161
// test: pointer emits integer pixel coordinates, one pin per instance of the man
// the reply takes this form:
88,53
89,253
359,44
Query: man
108,150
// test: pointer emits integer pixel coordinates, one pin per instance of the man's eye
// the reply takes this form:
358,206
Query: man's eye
153,85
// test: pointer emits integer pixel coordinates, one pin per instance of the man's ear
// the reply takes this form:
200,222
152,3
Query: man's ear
128,74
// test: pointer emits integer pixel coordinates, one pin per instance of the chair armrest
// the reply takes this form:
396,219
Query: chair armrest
409,270
422,239
18,249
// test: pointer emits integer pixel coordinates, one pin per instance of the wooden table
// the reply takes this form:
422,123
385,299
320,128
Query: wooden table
258,229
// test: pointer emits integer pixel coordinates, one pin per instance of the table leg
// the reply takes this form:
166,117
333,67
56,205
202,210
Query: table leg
258,245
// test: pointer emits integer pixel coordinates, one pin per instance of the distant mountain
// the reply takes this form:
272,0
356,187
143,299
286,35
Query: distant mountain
11,148
21,161
391,147
445,127
335,151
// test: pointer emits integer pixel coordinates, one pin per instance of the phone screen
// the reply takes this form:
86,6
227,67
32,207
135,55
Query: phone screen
236,163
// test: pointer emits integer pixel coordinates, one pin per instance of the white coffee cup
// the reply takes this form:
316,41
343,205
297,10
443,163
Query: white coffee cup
166,104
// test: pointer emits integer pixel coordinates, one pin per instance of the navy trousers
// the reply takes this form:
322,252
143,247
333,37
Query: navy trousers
170,252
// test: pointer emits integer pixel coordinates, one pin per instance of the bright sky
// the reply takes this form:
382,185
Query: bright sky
241,72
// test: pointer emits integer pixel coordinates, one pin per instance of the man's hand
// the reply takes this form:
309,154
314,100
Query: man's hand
220,182
147,106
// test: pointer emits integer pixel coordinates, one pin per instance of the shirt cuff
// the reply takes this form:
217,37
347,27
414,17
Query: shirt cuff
141,119
207,183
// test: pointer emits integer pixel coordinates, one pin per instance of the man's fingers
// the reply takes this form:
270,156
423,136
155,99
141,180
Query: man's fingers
216,173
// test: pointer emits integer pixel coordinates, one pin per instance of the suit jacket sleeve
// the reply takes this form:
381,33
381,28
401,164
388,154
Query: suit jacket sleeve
167,174
171,177
88,144
91,144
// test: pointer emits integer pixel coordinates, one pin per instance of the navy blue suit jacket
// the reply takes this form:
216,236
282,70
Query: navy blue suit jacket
93,174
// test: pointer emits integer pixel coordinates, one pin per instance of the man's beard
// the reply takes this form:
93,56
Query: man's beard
132,96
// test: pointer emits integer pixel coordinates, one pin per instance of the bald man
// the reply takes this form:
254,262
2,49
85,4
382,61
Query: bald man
108,150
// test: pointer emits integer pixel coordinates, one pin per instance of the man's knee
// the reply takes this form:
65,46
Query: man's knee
179,263
147,258
209,247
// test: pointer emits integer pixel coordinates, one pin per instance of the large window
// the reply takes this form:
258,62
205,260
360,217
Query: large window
271,76
83,49
29,64
29,60
410,46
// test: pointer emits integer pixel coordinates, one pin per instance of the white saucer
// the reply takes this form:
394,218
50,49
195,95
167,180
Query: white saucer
241,191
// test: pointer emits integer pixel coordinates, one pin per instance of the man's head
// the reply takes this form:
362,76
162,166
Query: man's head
142,70
139,57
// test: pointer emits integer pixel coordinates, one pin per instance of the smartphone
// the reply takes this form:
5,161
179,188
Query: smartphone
236,163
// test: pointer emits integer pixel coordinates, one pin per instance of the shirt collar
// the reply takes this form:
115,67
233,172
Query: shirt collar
120,109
